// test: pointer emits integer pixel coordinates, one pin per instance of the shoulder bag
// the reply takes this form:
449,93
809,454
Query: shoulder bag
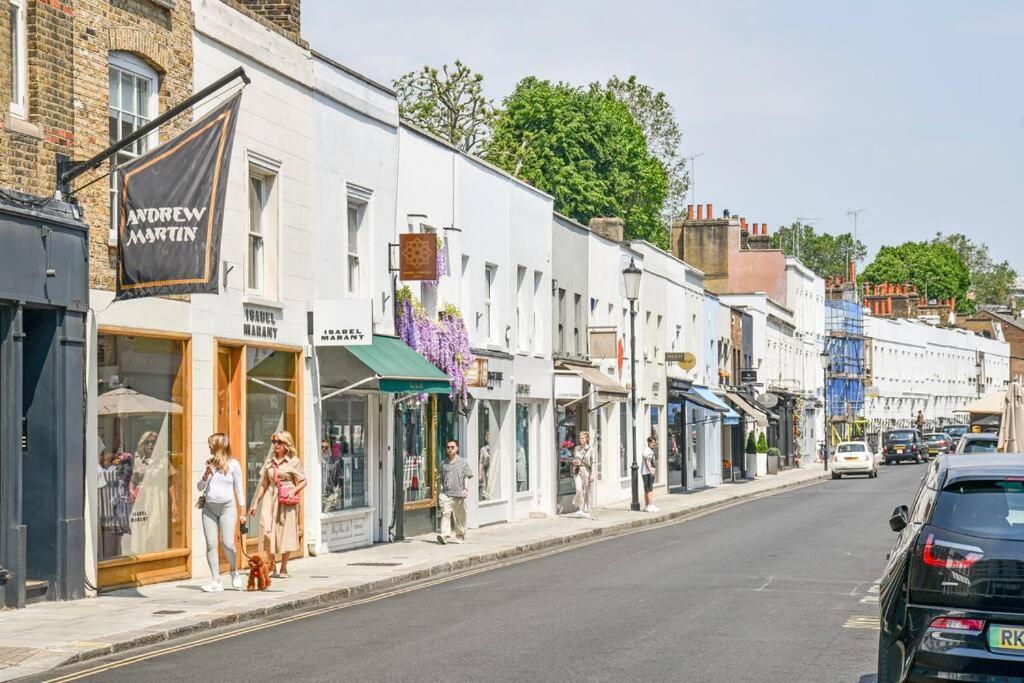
285,496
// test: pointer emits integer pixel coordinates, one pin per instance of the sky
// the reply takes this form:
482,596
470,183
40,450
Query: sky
912,111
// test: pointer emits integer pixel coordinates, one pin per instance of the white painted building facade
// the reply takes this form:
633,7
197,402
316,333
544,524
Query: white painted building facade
913,366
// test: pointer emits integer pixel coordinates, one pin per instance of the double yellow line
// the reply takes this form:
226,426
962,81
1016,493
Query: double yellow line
408,589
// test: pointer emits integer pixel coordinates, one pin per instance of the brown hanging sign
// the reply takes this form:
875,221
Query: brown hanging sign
417,256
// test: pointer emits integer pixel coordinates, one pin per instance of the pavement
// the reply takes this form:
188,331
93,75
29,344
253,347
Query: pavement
41,637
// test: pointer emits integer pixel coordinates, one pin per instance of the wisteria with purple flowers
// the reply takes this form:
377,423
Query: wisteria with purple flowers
444,342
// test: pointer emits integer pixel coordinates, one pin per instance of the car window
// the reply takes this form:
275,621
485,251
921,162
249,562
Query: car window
901,436
994,509
851,448
934,437
980,447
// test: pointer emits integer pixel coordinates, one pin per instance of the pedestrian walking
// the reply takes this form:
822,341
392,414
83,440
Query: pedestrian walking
920,421
283,478
648,470
454,474
583,475
221,486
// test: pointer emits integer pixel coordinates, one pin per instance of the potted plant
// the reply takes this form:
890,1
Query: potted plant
750,457
773,460
762,455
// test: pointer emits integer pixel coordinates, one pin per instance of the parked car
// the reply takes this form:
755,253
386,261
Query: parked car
977,443
938,443
951,599
903,444
956,431
853,457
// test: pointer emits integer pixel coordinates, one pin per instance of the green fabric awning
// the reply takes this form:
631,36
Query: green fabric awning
400,369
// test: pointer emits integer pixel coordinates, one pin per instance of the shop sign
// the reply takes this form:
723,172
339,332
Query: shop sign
171,210
684,359
260,323
523,390
568,386
602,342
476,374
417,256
748,376
343,322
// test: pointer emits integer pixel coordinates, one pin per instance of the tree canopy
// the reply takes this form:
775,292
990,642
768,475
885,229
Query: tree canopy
991,282
935,267
824,253
582,146
448,103
657,118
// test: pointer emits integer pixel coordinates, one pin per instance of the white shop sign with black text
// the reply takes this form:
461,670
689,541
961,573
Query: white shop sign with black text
343,322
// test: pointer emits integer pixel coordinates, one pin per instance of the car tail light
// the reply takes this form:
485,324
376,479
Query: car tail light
950,555
958,624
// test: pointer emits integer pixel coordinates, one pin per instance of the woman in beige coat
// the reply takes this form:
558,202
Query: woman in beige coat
279,523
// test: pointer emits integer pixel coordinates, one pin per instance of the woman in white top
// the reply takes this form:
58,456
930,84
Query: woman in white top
583,474
222,484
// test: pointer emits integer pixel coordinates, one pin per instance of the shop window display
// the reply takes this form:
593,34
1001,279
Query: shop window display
271,405
411,443
623,441
567,428
343,453
488,453
140,419
523,418
655,432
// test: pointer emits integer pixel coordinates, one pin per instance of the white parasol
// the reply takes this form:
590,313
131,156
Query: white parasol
1011,429
125,401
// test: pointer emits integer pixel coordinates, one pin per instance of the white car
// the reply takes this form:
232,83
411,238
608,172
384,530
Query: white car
853,457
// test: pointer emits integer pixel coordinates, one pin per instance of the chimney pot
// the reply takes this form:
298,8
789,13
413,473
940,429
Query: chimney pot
689,212
743,223
710,211
700,212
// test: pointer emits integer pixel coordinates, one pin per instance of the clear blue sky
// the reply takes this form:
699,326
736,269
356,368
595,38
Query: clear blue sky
911,110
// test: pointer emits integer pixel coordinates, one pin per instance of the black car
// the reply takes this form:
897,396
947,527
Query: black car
952,596
937,443
904,444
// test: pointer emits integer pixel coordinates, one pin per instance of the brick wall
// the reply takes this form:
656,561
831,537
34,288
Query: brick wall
68,43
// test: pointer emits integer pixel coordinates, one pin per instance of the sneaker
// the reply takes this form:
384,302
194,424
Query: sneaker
213,587
441,539
646,508
458,540
236,581
653,508
580,514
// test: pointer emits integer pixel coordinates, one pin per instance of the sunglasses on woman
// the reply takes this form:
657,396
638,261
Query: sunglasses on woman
276,442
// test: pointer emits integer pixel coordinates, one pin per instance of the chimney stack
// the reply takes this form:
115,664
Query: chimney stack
711,212
689,212
285,14
610,228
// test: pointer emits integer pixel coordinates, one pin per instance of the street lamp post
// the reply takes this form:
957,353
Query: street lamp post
631,278
826,363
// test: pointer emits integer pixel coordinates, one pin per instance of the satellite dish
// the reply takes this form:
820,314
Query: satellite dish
688,362
768,400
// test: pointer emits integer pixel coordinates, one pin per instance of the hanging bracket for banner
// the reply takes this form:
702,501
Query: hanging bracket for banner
68,169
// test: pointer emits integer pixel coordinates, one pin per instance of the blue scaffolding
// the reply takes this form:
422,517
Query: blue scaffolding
844,342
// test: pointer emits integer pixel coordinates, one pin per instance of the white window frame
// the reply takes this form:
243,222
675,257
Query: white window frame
522,333
19,65
536,329
269,285
260,235
490,305
353,251
130,64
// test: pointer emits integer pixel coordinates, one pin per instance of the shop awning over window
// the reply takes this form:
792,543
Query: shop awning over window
607,388
760,417
729,416
386,365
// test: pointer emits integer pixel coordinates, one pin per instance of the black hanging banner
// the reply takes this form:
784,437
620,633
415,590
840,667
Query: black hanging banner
171,210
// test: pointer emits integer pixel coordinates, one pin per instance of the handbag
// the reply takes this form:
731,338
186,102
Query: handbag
284,493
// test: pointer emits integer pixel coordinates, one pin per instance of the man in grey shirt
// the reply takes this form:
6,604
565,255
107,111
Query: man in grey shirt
454,474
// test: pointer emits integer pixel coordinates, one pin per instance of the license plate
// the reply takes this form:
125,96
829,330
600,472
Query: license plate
1006,638
933,451
850,458
899,449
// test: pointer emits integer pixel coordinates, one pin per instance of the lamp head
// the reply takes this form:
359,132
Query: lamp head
631,278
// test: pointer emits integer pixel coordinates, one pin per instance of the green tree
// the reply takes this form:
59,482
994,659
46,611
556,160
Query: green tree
762,443
823,253
657,118
751,445
582,146
448,103
992,283
935,267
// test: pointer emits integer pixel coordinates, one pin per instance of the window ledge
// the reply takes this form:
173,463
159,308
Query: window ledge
20,126
257,300
339,515
525,495
492,503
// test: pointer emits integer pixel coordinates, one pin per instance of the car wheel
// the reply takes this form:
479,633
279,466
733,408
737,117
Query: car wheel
890,661
835,476
918,459
888,462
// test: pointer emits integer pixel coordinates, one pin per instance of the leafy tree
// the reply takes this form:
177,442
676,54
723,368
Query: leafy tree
582,146
823,253
935,267
762,443
992,283
657,118
448,103
751,445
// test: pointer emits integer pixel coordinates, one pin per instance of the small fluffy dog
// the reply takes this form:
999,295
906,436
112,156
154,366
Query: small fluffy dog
259,574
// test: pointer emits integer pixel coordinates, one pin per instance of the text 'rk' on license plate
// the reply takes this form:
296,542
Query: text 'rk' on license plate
899,449
1006,638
